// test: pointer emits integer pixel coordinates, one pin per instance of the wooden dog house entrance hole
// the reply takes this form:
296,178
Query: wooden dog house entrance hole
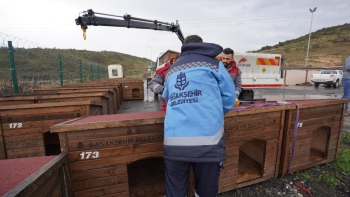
146,178
136,93
51,143
251,160
319,144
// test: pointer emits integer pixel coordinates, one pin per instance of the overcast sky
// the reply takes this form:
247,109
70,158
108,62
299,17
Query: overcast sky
241,25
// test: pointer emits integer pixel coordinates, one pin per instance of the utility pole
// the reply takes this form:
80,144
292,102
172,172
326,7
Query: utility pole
308,44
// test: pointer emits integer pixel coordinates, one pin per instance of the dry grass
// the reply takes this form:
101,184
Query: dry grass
24,87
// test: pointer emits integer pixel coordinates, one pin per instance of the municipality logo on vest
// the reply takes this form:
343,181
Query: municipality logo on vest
181,82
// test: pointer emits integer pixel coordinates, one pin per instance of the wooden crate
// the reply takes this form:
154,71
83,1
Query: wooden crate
253,143
51,178
16,100
116,87
133,90
102,98
119,155
317,137
24,130
111,92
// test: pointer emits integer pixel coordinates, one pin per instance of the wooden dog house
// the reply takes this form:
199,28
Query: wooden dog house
115,154
316,139
24,130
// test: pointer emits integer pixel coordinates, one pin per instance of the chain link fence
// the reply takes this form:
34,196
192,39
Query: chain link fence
25,65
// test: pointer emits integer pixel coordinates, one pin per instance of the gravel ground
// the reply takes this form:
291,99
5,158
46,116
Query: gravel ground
314,183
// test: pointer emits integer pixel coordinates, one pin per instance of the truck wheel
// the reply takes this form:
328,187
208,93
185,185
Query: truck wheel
336,84
316,85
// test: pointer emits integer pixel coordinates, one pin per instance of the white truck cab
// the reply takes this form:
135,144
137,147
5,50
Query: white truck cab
115,71
328,78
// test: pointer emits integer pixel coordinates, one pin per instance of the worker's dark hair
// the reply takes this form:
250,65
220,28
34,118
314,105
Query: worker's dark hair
193,39
228,51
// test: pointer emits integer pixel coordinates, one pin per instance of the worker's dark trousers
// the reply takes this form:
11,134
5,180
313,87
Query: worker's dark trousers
206,178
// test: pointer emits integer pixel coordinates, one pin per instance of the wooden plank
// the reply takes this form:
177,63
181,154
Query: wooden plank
114,190
159,118
39,123
96,97
116,131
23,145
100,182
261,133
280,142
34,114
316,103
228,187
251,123
98,173
283,169
251,116
25,152
321,120
105,152
260,110
19,132
112,161
49,186
16,100
319,111
102,143
38,105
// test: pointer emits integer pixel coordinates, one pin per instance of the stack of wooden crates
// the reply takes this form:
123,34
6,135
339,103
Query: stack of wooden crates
123,152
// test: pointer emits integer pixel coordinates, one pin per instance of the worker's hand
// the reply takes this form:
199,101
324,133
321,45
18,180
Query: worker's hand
237,102
237,94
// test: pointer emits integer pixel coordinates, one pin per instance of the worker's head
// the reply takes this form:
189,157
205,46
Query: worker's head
193,39
227,57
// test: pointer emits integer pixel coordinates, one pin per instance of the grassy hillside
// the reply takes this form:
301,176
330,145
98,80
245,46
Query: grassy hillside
327,44
132,65
45,62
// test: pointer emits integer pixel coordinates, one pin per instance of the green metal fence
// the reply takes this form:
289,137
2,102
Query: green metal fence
22,69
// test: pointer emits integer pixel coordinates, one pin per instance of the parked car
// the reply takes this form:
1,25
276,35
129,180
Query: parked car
328,78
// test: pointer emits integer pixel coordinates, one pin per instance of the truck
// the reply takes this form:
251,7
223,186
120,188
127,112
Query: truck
259,70
328,78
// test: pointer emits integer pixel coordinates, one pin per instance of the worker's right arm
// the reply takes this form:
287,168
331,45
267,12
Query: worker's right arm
156,84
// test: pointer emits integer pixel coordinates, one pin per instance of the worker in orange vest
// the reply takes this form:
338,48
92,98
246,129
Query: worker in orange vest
157,82
232,69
